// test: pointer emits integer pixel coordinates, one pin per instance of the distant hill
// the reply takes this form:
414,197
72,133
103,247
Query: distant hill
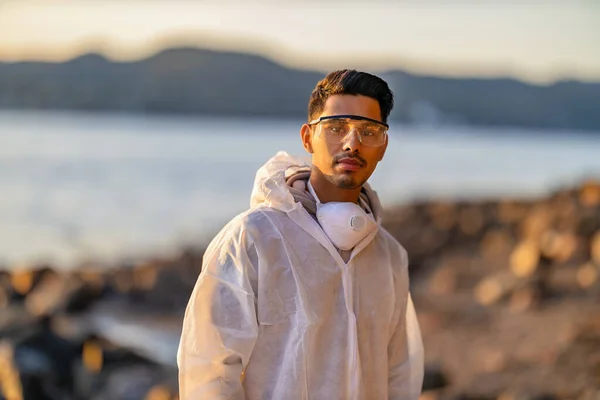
196,81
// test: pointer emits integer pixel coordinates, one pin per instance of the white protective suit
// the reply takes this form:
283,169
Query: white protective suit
277,314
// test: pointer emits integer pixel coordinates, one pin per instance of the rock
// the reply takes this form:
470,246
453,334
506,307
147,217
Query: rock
431,322
23,279
159,392
10,380
129,382
563,280
524,299
495,287
93,277
595,248
46,345
590,394
566,210
430,395
5,290
589,193
432,239
170,292
525,259
587,275
85,382
510,212
122,280
443,215
73,328
48,295
589,223
536,222
443,280
99,360
559,247
471,220
496,244
434,378
15,321
512,395
37,366
581,358
92,356
61,292
145,276
493,360
81,297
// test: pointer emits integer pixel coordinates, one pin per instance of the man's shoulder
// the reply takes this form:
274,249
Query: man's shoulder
396,249
257,216
251,222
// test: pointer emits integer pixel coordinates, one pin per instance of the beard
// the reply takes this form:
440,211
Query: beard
345,181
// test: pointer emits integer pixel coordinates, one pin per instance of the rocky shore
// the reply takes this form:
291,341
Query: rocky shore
507,293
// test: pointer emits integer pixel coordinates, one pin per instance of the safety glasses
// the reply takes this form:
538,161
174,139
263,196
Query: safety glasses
336,128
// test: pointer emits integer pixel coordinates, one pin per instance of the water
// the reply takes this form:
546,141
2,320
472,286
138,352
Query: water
77,186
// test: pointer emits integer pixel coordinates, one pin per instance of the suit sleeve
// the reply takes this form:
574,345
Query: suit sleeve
220,326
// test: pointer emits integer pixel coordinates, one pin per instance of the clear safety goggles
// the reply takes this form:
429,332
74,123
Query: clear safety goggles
336,128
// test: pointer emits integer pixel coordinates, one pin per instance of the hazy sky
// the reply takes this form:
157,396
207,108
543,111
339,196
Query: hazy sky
534,40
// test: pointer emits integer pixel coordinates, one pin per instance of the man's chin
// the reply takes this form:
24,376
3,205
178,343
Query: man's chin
346,181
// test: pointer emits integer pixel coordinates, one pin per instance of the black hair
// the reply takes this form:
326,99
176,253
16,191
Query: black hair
351,82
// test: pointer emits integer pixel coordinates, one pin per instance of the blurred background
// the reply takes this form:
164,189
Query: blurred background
130,133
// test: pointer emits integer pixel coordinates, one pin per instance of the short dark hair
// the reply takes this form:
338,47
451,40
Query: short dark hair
351,82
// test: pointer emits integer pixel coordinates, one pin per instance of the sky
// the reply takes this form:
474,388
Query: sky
539,41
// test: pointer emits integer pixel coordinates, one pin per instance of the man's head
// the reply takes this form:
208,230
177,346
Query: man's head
345,151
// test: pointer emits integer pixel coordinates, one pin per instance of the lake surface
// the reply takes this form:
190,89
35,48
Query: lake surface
76,186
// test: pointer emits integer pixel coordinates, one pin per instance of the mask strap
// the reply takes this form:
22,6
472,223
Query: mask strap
362,204
311,190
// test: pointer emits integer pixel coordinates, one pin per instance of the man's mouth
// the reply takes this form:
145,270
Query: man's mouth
350,164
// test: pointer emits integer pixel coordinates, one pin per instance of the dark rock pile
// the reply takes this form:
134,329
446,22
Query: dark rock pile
507,293
91,333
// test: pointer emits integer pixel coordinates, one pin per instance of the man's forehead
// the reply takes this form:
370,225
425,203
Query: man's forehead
352,105
354,119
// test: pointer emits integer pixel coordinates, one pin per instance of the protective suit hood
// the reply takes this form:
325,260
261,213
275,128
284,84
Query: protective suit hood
270,188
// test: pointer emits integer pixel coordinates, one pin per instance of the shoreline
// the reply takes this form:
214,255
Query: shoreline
101,260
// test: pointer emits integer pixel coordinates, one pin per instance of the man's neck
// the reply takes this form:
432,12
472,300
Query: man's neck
327,192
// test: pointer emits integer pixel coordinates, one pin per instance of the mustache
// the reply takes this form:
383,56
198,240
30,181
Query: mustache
356,157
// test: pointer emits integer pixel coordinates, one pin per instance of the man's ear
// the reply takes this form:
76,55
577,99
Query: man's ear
306,136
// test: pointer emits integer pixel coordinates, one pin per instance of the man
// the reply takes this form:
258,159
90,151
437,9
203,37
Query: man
305,295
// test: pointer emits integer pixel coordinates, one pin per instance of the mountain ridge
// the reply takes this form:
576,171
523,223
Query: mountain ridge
188,80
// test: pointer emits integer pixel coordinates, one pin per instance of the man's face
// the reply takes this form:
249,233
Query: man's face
349,164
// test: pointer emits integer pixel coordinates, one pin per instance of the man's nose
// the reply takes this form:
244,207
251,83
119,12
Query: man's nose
351,142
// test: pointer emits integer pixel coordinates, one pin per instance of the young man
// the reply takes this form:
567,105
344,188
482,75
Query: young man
305,295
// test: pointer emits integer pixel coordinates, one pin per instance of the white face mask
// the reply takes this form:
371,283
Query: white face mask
345,223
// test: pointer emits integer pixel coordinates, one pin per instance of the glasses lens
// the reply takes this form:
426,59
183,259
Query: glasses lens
336,131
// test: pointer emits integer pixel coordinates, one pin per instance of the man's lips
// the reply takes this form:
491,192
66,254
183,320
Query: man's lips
350,164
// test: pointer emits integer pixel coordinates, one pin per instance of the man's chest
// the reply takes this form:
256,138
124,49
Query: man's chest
306,283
